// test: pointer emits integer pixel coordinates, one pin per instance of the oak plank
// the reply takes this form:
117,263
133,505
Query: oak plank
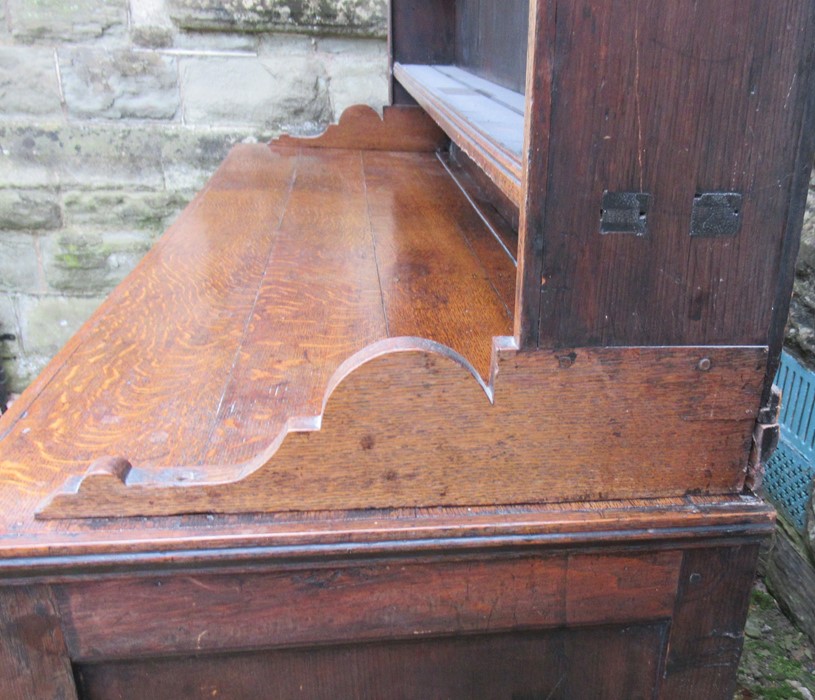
201,613
34,661
433,284
318,303
406,397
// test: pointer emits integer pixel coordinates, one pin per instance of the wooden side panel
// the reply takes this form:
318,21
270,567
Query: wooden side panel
421,31
491,40
34,662
675,100
708,624
406,423
602,663
207,613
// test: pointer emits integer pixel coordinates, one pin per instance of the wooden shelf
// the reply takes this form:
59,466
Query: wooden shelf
484,119
288,263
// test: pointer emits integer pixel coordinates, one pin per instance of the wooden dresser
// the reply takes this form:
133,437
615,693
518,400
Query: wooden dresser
464,401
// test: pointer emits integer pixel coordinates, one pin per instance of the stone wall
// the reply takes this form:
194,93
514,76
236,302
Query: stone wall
114,112
801,327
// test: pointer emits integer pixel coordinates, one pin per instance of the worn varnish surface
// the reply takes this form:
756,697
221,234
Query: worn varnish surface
365,603
385,436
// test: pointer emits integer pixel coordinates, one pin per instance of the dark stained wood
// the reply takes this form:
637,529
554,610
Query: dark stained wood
98,547
33,659
390,600
487,197
406,396
325,467
535,176
605,662
400,128
708,624
491,40
420,31
668,99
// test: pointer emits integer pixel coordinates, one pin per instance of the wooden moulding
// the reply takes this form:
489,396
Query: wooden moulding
502,165
408,422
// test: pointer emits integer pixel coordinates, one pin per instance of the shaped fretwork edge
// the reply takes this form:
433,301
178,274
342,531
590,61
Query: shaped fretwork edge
408,422
400,128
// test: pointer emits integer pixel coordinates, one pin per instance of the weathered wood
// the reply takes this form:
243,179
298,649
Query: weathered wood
604,663
56,550
708,624
743,74
535,176
34,662
391,600
790,575
400,128
407,397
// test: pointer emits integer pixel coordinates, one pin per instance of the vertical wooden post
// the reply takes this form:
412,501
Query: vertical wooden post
34,662
708,624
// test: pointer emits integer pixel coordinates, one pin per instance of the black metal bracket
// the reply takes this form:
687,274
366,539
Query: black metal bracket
716,214
625,212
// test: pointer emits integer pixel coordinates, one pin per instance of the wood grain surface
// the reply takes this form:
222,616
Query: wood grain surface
393,600
34,662
672,99
706,643
595,662
233,310
619,424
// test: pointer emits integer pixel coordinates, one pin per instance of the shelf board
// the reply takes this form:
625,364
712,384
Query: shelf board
484,119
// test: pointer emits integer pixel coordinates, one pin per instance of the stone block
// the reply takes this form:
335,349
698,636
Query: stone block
358,17
82,262
270,92
357,72
19,264
208,42
90,155
59,20
150,24
28,82
48,322
151,212
29,210
191,155
22,369
10,351
119,84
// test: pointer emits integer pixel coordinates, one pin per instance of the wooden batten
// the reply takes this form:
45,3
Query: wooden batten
408,422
